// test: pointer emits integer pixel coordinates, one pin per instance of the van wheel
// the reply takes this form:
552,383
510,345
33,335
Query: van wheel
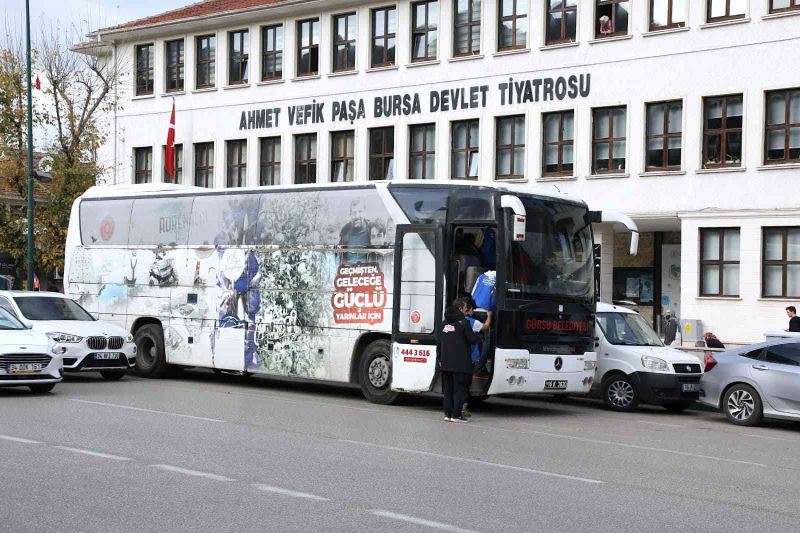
619,394
375,373
151,362
742,405
41,388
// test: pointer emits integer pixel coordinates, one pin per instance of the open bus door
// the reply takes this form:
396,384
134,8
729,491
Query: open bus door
417,306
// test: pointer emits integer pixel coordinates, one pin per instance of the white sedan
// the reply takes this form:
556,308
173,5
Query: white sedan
85,344
26,357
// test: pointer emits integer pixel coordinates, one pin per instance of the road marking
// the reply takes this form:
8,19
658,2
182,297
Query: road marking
660,424
420,521
93,453
474,461
764,437
292,493
131,408
18,439
196,473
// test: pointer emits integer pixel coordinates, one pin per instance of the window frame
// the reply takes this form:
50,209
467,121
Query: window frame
243,57
670,13
208,64
513,18
724,18
721,262
610,140
424,153
510,147
204,148
310,47
615,33
276,53
347,161
147,171
385,156
178,67
309,161
148,70
723,131
467,151
786,126
274,143
470,25
563,10
239,167
386,37
784,262
425,31
561,143
793,6
665,136
348,42
178,152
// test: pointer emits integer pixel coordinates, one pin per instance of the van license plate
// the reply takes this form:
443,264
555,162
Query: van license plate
105,356
690,387
555,384
24,368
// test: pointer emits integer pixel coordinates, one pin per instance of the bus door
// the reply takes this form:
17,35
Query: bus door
417,306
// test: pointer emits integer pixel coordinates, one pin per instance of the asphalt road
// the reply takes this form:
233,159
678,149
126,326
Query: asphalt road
213,453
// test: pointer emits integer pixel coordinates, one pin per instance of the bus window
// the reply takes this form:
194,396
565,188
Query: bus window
423,205
105,221
161,221
225,220
472,205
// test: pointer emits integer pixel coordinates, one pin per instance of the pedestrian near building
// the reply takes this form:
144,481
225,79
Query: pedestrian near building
712,341
455,361
794,320
671,328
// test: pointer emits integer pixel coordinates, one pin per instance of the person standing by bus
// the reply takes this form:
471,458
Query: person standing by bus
455,361
467,306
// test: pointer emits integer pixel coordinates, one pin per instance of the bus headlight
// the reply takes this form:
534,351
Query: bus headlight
519,364
589,365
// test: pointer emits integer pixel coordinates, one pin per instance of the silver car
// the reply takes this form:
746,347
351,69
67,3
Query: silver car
754,382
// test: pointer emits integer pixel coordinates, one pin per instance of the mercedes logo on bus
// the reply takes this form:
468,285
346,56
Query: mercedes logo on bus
559,363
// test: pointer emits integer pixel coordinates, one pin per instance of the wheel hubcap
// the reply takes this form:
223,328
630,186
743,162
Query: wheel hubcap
741,405
379,372
148,351
620,393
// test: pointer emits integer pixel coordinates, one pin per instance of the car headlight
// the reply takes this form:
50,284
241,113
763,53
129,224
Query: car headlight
654,363
64,338
129,338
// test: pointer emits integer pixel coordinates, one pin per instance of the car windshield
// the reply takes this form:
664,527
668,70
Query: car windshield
9,322
628,329
50,308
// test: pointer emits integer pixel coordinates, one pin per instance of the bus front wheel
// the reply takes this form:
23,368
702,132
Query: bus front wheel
375,373
151,362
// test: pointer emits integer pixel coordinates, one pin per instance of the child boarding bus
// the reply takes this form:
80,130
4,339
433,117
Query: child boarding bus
340,283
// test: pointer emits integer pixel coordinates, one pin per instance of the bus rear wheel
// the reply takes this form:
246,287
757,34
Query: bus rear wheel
375,373
151,361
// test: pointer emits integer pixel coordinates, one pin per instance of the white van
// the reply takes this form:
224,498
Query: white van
634,366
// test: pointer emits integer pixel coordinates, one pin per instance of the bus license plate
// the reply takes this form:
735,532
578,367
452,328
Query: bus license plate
105,356
24,368
690,387
555,384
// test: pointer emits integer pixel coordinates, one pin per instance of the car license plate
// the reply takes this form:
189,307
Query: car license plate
106,356
690,387
24,368
555,384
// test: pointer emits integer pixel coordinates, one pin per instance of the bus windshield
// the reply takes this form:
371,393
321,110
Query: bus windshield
556,257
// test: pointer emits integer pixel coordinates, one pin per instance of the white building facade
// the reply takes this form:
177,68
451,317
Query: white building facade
683,115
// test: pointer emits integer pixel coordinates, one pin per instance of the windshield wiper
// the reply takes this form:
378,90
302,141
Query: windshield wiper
530,304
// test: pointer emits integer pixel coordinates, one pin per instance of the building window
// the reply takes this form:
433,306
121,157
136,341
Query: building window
558,143
609,139
272,52
467,28
178,161
512,31
381,153
305,158
206,61
238,56
666,14
144,69
308,48
424,30
236,161
721,10
384,24
722,131
562,21
175,74
510,155
204,164
270,156
342,156
780,263
422,153
465,150
664,132
612,18
344,42
783,127
778,6
143,165
719,262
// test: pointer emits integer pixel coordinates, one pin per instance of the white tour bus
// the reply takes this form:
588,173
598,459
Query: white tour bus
341,283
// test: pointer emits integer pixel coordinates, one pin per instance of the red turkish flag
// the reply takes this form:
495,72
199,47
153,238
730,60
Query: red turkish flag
169,154
37,84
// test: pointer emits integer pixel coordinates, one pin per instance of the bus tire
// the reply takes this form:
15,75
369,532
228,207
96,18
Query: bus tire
375,373
151,361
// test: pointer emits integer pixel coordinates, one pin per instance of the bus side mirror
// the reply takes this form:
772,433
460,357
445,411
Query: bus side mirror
508,201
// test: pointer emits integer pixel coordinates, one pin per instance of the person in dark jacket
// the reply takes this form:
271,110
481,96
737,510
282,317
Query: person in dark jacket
712,341
671,327
455,361
794,320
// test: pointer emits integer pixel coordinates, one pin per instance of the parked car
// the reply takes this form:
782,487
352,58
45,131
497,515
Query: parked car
755,382
87,344
634,366
27,358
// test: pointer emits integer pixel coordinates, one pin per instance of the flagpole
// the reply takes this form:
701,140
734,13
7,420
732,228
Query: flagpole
30,147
